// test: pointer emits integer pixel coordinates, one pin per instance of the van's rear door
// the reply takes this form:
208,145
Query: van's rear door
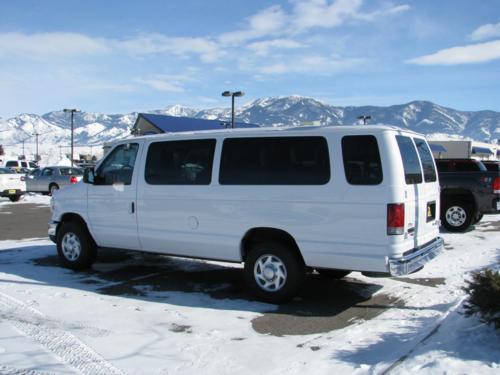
428,194
421,192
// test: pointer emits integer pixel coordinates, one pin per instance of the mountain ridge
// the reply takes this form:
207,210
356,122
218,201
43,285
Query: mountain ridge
92,128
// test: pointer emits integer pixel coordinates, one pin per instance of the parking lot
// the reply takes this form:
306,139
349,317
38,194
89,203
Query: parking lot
145,313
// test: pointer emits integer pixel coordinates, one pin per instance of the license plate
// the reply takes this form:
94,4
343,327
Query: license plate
431,211
12,191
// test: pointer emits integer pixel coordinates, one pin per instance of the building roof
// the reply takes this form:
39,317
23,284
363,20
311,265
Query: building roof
173,124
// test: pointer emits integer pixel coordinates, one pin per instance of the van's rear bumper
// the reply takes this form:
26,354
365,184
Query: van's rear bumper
416,258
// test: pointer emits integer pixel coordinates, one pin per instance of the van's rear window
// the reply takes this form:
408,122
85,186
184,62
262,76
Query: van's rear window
275,161
411,164
426,159
361,156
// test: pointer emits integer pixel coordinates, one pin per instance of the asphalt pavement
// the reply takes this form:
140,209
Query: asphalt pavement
321,306
23,220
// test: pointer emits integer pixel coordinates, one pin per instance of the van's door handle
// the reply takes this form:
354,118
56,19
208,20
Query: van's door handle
132,207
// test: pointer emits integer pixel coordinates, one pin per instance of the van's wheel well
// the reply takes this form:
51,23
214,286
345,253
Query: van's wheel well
75,218
463,196
259,235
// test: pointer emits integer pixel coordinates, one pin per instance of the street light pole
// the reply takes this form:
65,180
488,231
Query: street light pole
36,140
72,111
365,119
232,95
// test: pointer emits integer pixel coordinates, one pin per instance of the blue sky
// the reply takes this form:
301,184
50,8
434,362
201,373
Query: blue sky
121,56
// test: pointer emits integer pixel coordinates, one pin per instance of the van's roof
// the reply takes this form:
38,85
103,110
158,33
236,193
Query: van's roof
367,129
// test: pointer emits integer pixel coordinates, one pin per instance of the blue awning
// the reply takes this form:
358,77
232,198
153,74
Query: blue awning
481,150
437,148
170,124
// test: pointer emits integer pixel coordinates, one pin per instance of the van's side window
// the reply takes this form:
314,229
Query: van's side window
361,156
426,159
180,162
275,161
118,167
411,164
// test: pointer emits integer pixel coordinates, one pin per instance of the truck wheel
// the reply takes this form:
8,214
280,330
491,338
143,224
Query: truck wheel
75,246
273,272
457,216
53,188
332,274
14,198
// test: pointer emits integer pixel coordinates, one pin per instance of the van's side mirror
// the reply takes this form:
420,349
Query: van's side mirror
89,175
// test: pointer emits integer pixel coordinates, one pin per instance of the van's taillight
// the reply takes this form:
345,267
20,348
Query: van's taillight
73,180
496,185
395,218
23,178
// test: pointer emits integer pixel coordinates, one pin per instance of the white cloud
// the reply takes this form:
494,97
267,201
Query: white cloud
208,50
305,15
50,45
67,45
391,10
110,87
322,13
161,85
266,22
471,54
312,65
487,31
263,48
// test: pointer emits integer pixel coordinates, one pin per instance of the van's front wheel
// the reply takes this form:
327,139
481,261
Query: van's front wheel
75,247
273,272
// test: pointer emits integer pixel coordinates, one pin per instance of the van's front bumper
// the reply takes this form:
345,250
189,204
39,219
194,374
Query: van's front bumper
53,230
416,259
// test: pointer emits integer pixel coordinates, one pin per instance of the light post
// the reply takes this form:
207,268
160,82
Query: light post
37,157
365,119
72,110
232,95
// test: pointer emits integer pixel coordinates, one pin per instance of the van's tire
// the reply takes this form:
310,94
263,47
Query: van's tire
53,188
478,218
75,246
457,215
14,198
274,272
332,274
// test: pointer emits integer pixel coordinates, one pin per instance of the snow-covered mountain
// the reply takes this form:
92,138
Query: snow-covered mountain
94,129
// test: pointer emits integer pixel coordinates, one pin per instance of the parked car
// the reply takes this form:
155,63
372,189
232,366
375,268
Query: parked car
12,185
49,179
335,199
468,191
492,165
20,165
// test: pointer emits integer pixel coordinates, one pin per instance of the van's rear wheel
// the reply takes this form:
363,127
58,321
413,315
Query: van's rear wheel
273,272
14,198
75,246
457,216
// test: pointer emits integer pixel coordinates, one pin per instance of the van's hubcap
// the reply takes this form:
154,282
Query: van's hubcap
270,273
71,246
456,216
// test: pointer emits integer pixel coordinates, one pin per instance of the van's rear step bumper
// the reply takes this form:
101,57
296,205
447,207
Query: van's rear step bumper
416,259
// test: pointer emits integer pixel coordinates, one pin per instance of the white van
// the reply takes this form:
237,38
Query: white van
281,200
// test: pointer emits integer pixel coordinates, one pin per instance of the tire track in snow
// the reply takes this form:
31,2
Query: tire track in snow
62,344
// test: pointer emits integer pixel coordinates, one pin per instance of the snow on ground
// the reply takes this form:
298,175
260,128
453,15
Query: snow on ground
135,313
29,198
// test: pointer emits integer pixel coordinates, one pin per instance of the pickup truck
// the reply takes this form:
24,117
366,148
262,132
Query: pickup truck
468,190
